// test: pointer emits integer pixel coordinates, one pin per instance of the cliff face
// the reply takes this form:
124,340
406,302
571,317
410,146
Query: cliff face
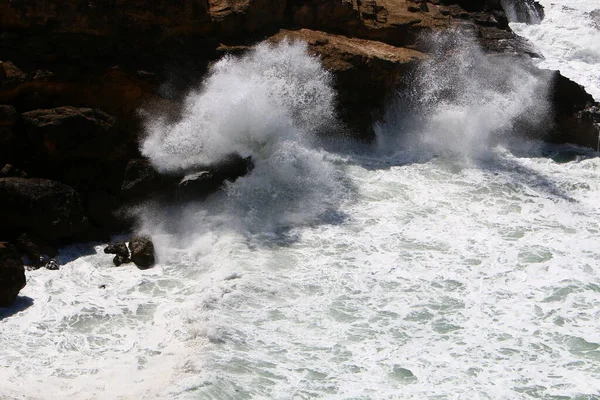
73,67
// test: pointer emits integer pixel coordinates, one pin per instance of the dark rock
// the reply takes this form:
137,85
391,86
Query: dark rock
48,209
142,251
37,251
119,260
52,265
69,132
141,180
208,179
576,114
119,248
9,171
12,274
102,210
10,75
8,115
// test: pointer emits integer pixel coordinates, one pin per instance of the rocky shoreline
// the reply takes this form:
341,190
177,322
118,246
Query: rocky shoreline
75,75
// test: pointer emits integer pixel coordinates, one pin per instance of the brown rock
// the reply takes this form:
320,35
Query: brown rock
366,73
69,132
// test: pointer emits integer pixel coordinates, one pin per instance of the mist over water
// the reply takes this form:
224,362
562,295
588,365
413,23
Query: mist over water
437,264
568,38
247,105
462,102
268,104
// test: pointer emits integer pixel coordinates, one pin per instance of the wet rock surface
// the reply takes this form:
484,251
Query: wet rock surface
142,252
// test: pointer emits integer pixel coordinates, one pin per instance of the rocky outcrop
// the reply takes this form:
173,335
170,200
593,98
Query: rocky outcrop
74,76
143,181
69,132
576,116
142,252
12,274
47,208
120,251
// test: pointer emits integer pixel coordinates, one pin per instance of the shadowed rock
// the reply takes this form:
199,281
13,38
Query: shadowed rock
49,209
12,274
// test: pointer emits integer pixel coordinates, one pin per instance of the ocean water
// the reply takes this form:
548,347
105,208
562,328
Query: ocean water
451,260
569,39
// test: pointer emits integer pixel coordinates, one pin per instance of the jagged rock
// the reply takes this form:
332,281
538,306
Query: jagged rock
119,248
205,180
142,252
141,180
48,263
121,253
576,114
69,132
12,274
10,75
49,209
119,260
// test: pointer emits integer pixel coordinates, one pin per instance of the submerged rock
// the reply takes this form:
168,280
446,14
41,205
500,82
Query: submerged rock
12,274
142,252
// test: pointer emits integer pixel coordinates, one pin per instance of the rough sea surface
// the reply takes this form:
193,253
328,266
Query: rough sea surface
450,261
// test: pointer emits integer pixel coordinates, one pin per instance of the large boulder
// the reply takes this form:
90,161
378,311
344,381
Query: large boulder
70,132
576,116
12,274
142,252
141,180
49,209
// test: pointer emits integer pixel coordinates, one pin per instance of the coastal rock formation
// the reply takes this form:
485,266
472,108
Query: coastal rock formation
69,132
12,274
74,113
142,252
47,208
366,72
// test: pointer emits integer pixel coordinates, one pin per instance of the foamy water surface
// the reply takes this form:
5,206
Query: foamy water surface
419,269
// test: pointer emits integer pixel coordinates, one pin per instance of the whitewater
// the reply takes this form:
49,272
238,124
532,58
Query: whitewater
451,259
